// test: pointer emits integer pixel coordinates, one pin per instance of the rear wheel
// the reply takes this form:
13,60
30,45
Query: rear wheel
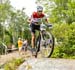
46,44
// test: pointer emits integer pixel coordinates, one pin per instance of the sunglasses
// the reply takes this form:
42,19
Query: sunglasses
39,11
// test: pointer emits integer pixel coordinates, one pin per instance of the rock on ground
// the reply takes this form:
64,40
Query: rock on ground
48,64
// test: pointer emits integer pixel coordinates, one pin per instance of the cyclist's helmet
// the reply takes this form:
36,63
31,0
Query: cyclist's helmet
39,8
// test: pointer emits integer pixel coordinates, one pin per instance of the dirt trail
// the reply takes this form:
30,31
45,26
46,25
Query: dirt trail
8,57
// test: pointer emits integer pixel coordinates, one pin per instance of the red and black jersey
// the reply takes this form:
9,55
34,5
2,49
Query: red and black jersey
35,17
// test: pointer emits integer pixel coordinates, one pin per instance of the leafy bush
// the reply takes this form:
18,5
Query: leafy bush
66,35
7,39
2,49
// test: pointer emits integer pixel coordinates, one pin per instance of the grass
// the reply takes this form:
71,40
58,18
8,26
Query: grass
12,65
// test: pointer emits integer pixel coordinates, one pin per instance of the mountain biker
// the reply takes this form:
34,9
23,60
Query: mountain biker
35,24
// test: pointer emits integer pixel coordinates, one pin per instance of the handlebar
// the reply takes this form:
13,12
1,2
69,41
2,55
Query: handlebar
49,25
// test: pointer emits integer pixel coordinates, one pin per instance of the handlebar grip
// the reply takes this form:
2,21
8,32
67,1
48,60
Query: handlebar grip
49,25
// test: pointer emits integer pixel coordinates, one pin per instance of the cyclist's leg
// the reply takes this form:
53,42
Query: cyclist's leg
33,35
33,28
33,40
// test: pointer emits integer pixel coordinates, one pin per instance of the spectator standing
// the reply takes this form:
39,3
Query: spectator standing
20,43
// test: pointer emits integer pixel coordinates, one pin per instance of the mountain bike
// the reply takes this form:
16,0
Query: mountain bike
45,41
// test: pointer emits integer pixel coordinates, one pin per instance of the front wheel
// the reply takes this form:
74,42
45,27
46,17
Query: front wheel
46,44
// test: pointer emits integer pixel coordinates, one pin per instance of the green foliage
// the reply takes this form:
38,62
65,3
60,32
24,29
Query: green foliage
61,31
1,33
57,52
2,48
27,35
7,39
5,9
65,35
12,65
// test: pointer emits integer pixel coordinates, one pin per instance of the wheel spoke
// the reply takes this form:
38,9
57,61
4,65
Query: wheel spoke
47,48
45,51
46,45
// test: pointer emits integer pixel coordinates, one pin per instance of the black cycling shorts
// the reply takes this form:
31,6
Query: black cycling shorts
34,27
